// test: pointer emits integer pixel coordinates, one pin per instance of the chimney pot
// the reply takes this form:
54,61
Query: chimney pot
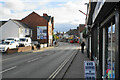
44,14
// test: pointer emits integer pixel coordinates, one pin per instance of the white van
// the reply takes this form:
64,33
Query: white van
24,42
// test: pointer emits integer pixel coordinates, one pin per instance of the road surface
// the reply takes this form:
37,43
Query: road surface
40,64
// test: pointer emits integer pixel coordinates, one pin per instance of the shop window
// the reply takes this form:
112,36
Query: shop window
110,51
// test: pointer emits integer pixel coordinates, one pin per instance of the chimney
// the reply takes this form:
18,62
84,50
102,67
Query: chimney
44,14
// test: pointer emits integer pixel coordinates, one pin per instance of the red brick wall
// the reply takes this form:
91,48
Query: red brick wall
35,20
23,49
20,49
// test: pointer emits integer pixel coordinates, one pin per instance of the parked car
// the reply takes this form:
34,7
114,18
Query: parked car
16,40
12,39
24,42
71,41
76,41
5,45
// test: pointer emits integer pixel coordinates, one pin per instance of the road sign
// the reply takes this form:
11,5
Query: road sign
89,69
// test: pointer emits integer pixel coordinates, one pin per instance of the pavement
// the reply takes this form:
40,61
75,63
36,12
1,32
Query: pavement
75,67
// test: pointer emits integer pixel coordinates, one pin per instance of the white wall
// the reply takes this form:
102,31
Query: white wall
26,32
9,29
50,40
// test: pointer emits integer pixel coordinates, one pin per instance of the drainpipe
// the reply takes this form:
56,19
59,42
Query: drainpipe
117,53
103,54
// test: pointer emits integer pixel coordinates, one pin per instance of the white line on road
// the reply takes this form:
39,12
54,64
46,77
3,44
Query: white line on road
53,75
34,59
26,54
8,69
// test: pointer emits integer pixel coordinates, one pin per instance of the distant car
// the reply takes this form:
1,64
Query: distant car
71,41
77,41
5,45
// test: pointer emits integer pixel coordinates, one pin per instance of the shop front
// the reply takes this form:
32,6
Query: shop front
104,40
110,45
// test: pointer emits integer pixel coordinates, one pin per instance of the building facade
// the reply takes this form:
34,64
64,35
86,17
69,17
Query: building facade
42,27
103,37
13,28
81,30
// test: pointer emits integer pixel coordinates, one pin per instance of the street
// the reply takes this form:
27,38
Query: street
40,64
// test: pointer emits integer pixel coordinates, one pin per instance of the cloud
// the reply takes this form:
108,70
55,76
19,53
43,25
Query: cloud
68,13
14,5
64,27
64,11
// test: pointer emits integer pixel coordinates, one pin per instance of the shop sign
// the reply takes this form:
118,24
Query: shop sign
89,69
98,7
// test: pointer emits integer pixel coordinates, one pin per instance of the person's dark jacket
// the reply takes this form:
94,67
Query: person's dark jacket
82,44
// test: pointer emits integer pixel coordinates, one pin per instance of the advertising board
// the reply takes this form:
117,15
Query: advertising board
89,69
41,32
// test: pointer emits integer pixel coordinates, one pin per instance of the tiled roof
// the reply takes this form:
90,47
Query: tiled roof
34,20
72,32
21,24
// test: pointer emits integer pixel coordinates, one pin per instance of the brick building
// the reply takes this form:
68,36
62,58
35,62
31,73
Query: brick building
42,27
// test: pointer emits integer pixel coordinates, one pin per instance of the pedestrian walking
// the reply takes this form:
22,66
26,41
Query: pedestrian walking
38,46
82,46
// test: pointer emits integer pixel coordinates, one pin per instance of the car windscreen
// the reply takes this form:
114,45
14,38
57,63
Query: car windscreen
5,43
22,39
10,39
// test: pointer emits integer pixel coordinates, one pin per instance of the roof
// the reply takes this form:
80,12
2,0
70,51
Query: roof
48,18
21,24
35,19
72,32
2,22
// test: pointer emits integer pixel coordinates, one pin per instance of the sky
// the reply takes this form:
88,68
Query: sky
65,12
